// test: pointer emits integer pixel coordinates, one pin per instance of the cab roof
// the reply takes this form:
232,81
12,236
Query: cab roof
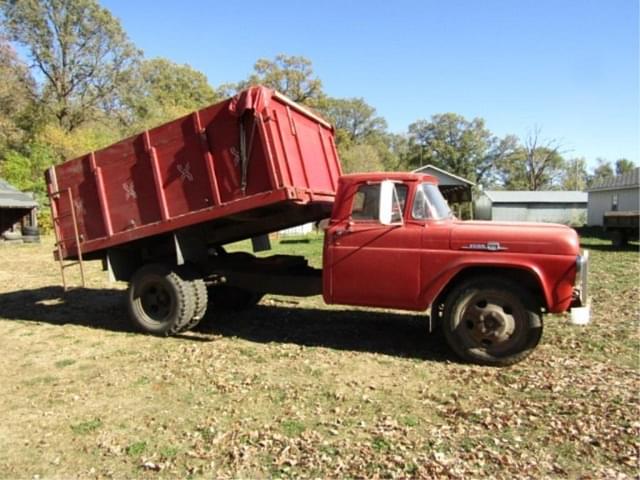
380,176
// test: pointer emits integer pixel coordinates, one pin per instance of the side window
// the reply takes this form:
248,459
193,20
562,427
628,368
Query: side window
366,202
614,202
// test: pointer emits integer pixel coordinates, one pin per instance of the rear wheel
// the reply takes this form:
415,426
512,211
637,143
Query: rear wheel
492,322
159,300
199,291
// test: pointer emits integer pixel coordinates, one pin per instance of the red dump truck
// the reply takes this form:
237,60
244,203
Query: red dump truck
158,208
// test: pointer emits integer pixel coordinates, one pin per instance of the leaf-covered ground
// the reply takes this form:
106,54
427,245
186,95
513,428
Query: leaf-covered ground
297,389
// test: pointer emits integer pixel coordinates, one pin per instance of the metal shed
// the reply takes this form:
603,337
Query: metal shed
14,206
566,207
620,193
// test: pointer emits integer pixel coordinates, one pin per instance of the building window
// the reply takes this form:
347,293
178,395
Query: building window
614,202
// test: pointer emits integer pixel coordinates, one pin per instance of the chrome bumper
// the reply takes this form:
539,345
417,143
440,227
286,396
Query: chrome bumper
581,288
581,306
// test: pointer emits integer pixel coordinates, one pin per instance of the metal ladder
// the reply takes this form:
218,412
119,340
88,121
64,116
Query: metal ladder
60,242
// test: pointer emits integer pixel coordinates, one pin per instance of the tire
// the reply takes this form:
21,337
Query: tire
31,238
30,231
160,302
199,291
12,235
489,321
619,239
201,303
223,297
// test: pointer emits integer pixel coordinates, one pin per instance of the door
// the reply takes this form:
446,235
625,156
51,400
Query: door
371,264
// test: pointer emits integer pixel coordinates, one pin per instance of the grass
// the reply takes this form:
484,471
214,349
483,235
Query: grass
137,448
295,388
85,427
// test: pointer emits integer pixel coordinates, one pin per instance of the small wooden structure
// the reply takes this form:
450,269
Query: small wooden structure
17,209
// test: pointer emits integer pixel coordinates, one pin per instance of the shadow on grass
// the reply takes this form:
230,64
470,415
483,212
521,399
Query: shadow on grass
608,247
588,234
365,331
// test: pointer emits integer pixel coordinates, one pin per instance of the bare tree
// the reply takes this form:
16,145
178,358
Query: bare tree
542,159
535,165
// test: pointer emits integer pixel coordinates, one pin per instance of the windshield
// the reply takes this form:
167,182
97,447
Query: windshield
429,203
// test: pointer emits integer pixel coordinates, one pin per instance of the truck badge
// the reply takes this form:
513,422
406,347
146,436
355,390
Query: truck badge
489,246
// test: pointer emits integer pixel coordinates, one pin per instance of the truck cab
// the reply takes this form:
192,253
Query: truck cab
393,242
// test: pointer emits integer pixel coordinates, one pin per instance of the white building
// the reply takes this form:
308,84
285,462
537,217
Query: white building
566,207
303,229
621,193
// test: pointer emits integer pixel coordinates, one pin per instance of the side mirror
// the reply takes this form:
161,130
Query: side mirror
389,202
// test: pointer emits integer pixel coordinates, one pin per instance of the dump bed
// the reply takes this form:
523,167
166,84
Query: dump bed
249,165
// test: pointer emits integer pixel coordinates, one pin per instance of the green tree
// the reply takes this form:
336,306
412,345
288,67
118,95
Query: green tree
462,147
78,48
163,90
292,76
362,158
17,97
25,169
575,174
603,171
354,117
624,165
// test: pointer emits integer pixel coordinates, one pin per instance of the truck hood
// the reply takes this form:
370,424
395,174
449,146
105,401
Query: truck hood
515,237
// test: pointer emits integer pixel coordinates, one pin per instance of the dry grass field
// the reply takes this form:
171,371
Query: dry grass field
293,388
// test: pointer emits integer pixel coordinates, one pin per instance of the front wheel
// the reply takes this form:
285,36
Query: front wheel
489,321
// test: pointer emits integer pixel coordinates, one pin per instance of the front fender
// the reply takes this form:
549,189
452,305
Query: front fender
442,281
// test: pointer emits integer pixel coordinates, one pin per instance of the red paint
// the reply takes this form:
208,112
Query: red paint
407,266
187,172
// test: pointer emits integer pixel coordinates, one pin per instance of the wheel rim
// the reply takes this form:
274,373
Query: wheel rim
156,301
492,321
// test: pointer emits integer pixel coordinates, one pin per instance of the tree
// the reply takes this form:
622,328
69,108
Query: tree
163,90
575,174
462,147
536,165
291,75
25,169
624,165
354,117
78,48
362,158
17,96
603,171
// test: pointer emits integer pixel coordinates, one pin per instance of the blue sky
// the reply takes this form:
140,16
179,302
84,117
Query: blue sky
568,67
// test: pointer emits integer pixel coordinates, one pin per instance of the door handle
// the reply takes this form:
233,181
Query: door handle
339,233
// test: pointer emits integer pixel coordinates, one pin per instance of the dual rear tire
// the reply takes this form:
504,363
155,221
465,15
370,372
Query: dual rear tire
165,301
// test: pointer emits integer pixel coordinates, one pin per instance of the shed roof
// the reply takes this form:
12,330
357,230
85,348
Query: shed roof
444,177
11,197
545,196
626,180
